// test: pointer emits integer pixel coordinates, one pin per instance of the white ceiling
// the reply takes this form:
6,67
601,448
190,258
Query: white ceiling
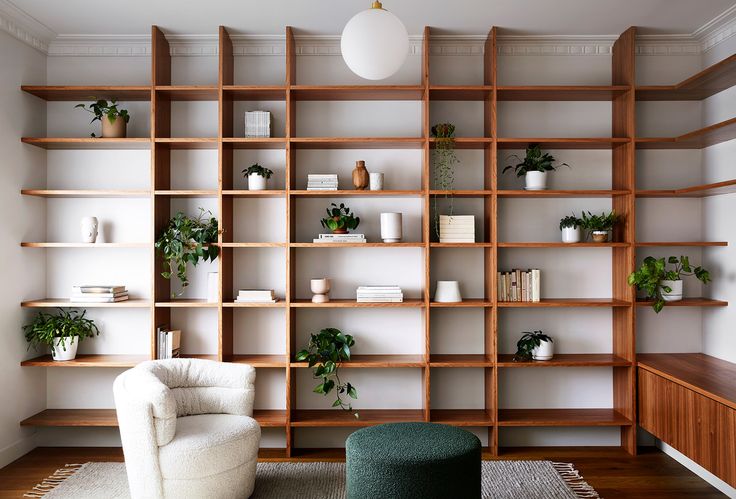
327,17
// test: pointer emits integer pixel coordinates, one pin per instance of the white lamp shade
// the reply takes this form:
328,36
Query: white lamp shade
374,44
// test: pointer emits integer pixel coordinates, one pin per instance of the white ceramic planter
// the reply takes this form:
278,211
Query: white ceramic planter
545,351
535,181
61,354
89,226
213,287
320,288
448,292
256,182
571,235
375,181
391,227
675,294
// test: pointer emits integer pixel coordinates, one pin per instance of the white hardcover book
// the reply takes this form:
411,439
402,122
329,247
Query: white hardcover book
536,285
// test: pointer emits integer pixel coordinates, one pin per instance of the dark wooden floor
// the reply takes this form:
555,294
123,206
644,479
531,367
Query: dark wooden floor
613,473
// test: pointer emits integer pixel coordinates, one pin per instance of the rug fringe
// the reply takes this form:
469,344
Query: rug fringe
51,482
575,481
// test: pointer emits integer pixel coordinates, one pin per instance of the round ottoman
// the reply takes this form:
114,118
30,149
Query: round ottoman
413,460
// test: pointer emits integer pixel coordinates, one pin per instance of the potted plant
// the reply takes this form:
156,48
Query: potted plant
600,226
571,229
257,176
444,161
534,346
114,121
62,333
325,352
187,240
662,284
534,167
340,219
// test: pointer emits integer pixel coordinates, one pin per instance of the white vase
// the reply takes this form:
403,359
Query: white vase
62,354
535,181
448,292
675,294
320,288
256,182
545,351
571,235
213,287
375,181
391,227
89,226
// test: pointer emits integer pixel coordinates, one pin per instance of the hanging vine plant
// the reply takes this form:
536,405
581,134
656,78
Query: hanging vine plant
444,161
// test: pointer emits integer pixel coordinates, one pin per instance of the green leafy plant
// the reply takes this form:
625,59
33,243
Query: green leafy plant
570,221
101,108
649,276
534,161
46,329
258,170
527,343
340,219
325,352
600,222
187,240
444,161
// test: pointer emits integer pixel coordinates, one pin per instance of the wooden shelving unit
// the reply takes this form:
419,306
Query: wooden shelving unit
621,93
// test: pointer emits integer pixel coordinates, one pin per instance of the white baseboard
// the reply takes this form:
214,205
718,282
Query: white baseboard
17,449
697,469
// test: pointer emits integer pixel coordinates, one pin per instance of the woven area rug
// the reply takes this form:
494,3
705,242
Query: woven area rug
501,480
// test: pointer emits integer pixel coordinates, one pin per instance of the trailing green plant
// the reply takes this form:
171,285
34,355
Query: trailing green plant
600,222
570,221
46,329
258,170
326,350
649,276
101,108
340,218
527,343
444,160
534,161
187,240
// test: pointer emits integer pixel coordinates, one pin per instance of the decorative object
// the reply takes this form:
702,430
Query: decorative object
570,227
89,226
663,285
391,227
448,292
374,43
444,161
534,167
94,293
209,452
321,289
322,182
379,294
256,296
187,240
340,219
257,176
213,287
258,124
534,346
600,226
375,181
457,228
114,121
62,333
360,176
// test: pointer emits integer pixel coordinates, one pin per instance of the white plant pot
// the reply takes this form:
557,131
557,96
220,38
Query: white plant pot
391,227
60,354
535,181
320,288
375,181
545,351
675,294
213,287
89,226
448,292
256,182
571,235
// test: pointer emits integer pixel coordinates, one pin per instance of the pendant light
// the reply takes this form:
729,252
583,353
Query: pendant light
374,43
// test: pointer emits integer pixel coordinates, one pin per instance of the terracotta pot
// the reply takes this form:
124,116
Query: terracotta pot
360,176
339,231
115,130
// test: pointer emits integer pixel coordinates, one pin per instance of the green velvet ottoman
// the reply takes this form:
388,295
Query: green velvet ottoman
413,460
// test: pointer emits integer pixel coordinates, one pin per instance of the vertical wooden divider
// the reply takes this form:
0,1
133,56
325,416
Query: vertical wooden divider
623,259
426,218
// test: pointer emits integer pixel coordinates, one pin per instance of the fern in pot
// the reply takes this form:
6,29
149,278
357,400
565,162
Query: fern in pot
534,167
662,284
61,333
257,176
571,226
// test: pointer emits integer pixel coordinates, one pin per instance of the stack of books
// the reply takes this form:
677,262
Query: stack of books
257,124
457,228
256,296
322,182
98,294
340,238
168,343
519,285
380,294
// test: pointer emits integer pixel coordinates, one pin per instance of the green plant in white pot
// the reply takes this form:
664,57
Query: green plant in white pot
534,167
662,284
600,226
257,176
534,346
571,226
114,121
61,333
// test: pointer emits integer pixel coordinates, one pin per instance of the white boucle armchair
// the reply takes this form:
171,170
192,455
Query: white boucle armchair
187,429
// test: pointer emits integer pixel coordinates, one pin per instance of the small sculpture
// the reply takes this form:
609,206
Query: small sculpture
360,176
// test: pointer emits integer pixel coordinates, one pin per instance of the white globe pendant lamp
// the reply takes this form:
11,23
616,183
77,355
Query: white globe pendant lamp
374,43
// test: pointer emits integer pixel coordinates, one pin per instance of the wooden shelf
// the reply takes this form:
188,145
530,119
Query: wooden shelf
645,244
704,137
460,360
461,417
565,302
687,302
81,93
187,142
378,361
461,245
356,92
467,142
89,360
367,417
357,143
86,193
187,193
65,303
345,303
254,142
468,193
561,417
710,81
87,143
562,245
466,303
697,191
354,193
460,92
187,92
258,360
254,194
569,193
186,303
254,92
561,92
562,143
568,360
232,304
253,245
356,245
85,245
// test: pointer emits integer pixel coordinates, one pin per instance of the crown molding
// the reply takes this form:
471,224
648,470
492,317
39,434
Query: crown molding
25,28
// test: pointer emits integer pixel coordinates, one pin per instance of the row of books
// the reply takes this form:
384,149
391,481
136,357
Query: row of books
168,342
457,228
379,294
98,294
519,285
256,296
257,124
322,182
340,238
